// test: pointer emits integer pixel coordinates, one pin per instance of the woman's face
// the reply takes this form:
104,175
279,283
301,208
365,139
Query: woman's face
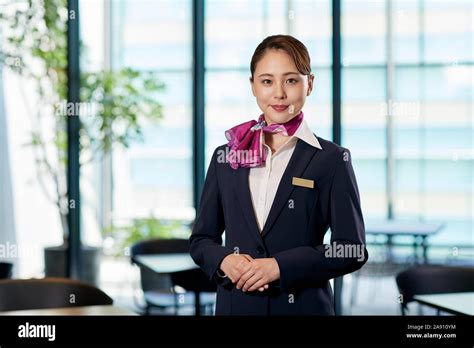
280,89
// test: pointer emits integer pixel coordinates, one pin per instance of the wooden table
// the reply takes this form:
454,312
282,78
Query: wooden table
82,310
169,264
461,303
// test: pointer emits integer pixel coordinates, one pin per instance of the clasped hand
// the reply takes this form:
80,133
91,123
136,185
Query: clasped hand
250,274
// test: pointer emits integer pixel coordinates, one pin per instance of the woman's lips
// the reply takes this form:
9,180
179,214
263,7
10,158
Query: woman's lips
279,108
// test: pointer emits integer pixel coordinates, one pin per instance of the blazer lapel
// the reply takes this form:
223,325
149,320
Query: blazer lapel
298,162
244,198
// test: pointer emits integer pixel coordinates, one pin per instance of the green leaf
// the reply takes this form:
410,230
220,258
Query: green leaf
127,98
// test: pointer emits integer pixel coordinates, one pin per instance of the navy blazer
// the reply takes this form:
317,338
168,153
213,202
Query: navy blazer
293,232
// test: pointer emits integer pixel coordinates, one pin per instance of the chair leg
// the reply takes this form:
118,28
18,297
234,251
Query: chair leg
176,307
402,309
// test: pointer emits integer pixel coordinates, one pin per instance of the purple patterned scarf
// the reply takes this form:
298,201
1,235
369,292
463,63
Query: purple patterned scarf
245,140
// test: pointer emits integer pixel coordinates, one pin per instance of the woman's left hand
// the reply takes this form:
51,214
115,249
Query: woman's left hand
262,272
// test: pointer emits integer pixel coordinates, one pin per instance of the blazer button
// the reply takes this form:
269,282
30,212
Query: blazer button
260,250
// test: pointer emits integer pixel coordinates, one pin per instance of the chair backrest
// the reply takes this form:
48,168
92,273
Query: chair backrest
149,279
160,246
6,270
434,279
20,294
194,280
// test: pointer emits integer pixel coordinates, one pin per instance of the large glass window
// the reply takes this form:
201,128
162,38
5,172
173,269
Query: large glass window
233,31
363,93
430,106
155,176
433,117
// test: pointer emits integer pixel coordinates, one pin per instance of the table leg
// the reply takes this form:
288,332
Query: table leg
389,248
197,303
338,295
415,249
424,245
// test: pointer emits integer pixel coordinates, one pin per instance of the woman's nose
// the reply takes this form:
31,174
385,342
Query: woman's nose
280,91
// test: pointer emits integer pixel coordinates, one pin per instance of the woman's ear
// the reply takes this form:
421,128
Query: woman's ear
310,84
252,85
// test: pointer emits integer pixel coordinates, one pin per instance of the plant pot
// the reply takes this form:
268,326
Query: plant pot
6,270
55,263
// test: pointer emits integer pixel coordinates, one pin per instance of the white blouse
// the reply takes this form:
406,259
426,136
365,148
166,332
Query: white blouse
264,180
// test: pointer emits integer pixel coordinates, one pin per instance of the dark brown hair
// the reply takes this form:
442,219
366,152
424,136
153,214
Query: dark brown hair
295,48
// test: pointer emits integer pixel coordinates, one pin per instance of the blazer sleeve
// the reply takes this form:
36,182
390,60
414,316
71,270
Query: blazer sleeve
206,238
308,266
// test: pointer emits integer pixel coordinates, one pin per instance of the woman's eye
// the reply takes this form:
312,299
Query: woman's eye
291,81
266,82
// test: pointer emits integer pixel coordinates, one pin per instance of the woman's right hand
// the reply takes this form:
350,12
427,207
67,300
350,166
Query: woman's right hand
235,265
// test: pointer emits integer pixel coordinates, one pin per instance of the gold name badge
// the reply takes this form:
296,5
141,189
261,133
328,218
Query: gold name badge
303,182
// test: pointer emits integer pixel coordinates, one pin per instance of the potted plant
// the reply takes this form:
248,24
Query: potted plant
35,46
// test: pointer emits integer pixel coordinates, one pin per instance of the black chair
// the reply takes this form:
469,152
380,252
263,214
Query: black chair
22,294
195,280
6,270
433,279
160,289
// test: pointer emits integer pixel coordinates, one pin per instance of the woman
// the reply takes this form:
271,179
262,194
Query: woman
275,189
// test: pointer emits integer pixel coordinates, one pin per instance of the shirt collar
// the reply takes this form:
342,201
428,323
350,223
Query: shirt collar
304,133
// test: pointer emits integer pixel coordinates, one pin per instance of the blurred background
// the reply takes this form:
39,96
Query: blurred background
162,80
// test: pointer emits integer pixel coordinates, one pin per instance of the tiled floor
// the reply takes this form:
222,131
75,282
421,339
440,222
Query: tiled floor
373,296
